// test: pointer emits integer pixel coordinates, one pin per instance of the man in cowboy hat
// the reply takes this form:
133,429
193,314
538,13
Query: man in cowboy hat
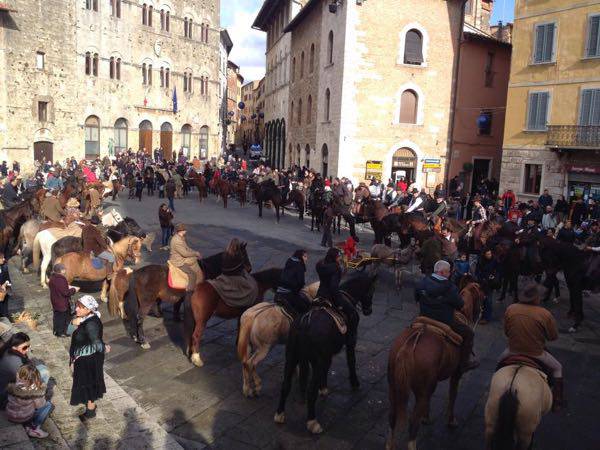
95,200
51,208
95,242
186,259
417,202
528,326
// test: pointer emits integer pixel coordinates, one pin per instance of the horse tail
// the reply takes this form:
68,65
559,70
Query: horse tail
504,431
131,303
113,294
399,380
37,250
243,343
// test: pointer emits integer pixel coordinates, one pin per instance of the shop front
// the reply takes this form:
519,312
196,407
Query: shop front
583,182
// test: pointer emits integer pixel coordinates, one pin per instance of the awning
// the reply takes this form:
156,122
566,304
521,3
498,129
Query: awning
5,7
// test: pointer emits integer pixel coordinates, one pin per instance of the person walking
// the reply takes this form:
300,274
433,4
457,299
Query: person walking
6,284
486,272
87,356
60,298
170,189
165,217
139,186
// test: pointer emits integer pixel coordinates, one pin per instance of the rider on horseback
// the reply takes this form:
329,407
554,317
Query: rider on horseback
186,259
417,202
528,326
95,243
291,282
330,275
438,299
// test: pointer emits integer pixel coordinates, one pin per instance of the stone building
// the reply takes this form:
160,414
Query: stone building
478,122
88,78
552,132
225,50
235,80
251,128
373,97
272,18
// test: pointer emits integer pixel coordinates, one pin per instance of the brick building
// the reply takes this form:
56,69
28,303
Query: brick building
235,80
88,78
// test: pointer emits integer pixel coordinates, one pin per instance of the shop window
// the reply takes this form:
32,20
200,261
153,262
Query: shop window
532,179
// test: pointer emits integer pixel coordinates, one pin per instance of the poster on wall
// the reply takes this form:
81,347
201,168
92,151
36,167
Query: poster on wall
432,165
374,169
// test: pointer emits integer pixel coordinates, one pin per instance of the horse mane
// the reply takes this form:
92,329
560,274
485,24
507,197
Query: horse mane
234,247
356,283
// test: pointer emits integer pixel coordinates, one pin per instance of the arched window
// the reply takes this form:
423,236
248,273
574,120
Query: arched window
409,103
204,85
298,154
149,74
150,9
112,68
309,110
307,155
144,14
88,63
327,104
92,137
167,77
185,27
330,48
118,69
162,77
186,139
204,142
185,81
413,48
162,20
120,131
301,65
293,70
204,33
300,112
95,65
168,21
325,154
292,118
311,62
190,28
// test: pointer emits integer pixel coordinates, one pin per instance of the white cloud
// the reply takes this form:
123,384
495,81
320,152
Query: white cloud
248,44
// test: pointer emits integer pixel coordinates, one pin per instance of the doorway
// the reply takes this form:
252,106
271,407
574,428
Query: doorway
146,136
481,171
43,150
166,140
404,165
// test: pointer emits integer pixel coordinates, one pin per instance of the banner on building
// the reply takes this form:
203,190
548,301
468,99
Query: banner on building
374,169
432,165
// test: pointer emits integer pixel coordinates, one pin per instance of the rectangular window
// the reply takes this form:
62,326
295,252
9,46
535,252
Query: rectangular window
532,178
489,70
589,114
537,117
43,111
40,60
544,43
593,38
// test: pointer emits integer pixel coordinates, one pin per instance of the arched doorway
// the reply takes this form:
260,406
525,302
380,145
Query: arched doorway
404,164
92,137
145,133
166,139
186,140
307,155
325,155
43,150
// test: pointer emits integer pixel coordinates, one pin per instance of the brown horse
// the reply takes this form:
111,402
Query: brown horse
418,359
206,303
239,188
79,264
223,188
198,180
13,218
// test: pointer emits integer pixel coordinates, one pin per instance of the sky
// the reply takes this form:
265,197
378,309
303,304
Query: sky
249,45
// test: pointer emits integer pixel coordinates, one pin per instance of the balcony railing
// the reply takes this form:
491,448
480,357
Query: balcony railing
573,136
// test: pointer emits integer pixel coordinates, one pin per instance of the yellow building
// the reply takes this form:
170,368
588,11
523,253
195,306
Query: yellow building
552,131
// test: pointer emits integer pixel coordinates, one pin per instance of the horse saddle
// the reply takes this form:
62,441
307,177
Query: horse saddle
529,361
236,291
286,309
323,304
437,327
98,263
177,278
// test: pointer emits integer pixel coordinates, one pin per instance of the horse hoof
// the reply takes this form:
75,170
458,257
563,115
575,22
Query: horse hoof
324,392
452,423
279,417
196,360
314,427
26,270
104,299
145,345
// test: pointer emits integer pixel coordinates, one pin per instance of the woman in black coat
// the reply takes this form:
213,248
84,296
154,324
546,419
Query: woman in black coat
292,281
87,356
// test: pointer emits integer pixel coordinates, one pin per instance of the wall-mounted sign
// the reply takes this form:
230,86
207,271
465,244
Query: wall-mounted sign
432,165
374,169
579,168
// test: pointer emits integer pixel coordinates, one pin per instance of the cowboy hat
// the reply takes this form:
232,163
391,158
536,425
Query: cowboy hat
180,227
532,293
72,203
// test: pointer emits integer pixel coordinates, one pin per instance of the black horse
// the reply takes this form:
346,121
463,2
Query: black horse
267,191
314,339
127,227
316,205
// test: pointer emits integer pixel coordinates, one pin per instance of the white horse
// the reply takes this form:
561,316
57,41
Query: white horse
27,235
43,244
111,218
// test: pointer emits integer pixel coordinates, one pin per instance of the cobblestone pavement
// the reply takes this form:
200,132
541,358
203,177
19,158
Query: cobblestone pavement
157,399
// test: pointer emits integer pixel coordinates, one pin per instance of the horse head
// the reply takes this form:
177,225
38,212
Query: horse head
247,264
134,249
355,288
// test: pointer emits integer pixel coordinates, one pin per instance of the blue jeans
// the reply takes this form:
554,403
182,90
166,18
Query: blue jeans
166,235
171,204
41,414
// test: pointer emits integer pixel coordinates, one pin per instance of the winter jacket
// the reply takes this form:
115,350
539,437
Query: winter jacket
292,277
9,364
23,401
438,299
165,217
60,293
330,276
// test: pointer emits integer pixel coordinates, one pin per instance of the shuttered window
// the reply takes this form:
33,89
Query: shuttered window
413,48
590,107
538,111
544,43
593,43
408,107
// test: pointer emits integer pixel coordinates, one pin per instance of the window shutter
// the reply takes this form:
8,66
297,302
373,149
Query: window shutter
595,113
594,37
542,110
413,48
533,108
539,43
586,106
549,42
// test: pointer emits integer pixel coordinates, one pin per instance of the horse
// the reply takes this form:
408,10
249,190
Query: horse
12,219
79,265
65,245
206,303
518,399
127,227
316,206
223,188
295,197
267,191
315,338
239,187
198,180
133,295
418,359
25,242
43,244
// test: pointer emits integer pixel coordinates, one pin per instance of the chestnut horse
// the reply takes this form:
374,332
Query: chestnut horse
12,219
206,303
223,188
79,264
198,180
418,359
239,188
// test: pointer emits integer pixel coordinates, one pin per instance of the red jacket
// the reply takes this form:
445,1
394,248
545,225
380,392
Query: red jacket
60,293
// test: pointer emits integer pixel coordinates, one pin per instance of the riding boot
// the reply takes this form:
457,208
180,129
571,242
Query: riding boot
109,269
557,395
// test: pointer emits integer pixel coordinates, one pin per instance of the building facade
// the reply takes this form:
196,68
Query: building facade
272,18
90,78
224,51
235,80
252,121
378,100
552,132
478,122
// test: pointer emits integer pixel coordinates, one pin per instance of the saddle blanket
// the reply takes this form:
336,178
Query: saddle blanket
97,263
440,328
176,278
237,291
338,318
